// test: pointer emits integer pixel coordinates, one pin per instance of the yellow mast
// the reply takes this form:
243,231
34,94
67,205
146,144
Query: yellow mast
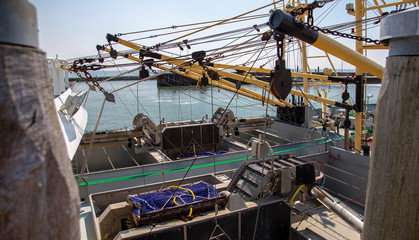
359,12
358,48
305,65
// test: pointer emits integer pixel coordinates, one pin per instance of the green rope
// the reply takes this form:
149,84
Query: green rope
194,167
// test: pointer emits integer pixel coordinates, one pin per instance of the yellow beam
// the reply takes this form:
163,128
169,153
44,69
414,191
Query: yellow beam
348,55
316,56
307,96
389,5
248,79
229,86
303,52
310,75
268,71
331,64
328,83
379,10
129,44
374,46
305,66
324,94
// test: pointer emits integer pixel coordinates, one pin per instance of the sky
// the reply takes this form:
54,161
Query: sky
72,29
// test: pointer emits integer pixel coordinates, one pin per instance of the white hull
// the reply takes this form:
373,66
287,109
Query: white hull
72,127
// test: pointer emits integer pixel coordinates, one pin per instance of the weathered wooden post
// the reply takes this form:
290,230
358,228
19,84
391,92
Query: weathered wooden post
392,206
38,195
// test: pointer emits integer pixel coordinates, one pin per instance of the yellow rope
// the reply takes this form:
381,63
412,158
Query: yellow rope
295,194
186,189
194,150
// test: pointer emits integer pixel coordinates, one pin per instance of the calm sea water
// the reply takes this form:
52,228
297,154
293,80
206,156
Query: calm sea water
181,103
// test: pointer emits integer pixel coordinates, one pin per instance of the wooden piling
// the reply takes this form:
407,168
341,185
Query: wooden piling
392,206
38,193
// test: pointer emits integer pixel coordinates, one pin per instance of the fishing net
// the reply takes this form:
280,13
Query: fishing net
154,201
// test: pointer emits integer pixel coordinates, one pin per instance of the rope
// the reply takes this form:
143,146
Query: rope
242,44
237,38
188,25
186,189
86,158
192,41
243,100
244,79
121,74
219,23
295,194
147,78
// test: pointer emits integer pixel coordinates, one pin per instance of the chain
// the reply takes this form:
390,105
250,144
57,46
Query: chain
279,38
319,4
309,24
340,34
83,69
309,7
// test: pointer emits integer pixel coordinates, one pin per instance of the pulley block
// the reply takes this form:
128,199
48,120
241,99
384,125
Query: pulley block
144,73
113,53
266,36
238,84
148,62
213,75
347,123
280,80
199,56
92,87
345,96
109,97
204,81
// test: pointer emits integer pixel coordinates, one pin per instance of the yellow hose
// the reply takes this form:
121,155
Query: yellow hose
295,194
186,189
194,152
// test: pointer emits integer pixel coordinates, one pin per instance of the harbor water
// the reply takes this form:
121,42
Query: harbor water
184,103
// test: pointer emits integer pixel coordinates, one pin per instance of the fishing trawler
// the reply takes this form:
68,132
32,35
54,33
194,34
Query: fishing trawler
228,177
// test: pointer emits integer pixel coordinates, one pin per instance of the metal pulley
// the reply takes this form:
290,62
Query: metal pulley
204,81
144,73
213,75
238,84
280,80
148,62
109,97
91,87
113,53
199,56
345,96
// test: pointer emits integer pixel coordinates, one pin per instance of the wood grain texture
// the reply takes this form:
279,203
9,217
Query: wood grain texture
392,207
38,195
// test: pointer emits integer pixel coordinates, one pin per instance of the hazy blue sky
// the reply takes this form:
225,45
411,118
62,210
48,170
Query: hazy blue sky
73,28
